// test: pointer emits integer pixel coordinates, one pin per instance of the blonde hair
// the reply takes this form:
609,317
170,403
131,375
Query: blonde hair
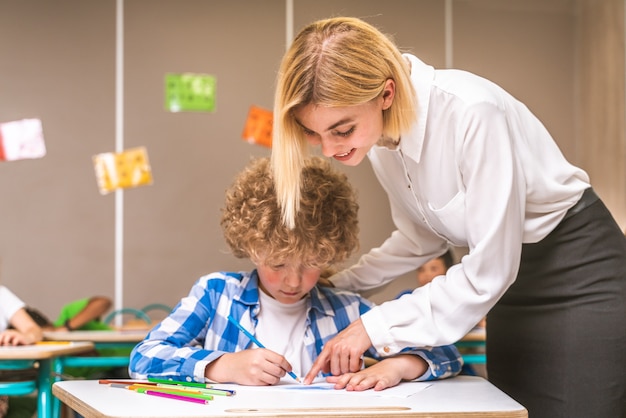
334,62
326,227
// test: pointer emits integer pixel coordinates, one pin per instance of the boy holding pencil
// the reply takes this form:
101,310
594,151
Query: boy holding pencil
215,333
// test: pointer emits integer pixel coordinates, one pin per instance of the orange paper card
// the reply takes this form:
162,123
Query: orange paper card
258,129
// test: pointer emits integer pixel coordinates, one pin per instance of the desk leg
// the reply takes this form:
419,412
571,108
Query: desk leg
56,403
44,389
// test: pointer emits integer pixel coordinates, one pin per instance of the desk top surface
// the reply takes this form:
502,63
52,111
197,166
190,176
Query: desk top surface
457,397
132,336
476,334
43,350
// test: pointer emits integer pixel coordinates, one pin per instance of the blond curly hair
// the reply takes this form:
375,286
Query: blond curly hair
326,227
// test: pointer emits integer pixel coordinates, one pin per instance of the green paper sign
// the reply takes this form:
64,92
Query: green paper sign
190,92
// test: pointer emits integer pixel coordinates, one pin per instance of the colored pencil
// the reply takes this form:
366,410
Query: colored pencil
179,382
257,342
177,397
189,393
124,382
211,391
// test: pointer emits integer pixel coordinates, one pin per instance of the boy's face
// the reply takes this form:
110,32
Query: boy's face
428,271
289,282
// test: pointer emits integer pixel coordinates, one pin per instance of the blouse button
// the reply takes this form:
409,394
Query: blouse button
386,350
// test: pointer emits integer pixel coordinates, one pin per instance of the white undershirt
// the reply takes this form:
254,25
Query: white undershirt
281,328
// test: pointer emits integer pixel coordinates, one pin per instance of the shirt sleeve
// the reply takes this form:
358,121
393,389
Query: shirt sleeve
443,362
175,348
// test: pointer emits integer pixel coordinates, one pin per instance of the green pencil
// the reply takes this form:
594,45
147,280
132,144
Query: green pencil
208,391
205,388
188,394
181,383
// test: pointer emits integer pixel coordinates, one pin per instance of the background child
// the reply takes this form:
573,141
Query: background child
17,328
81,314
13,314
279,302
431,269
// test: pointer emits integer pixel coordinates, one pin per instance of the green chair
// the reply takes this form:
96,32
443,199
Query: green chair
161,308
138,315
22,380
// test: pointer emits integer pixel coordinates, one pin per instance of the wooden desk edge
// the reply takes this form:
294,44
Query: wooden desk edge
134,336
75,403
53,351
84,409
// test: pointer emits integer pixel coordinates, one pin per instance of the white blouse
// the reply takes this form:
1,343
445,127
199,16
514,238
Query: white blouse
477,170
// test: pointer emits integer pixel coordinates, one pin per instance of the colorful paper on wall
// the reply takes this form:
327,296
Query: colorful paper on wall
258,128
21,139
126,169
190,92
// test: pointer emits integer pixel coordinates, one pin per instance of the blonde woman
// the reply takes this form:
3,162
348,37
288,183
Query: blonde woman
463,163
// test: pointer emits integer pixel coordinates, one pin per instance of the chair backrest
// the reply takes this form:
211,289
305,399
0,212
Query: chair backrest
157,311
18,377
139,319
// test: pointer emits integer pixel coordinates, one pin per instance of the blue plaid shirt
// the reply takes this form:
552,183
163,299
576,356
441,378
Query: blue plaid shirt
197,331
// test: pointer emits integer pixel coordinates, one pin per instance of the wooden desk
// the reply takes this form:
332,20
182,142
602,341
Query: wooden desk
99,340
462,396
130,336
44,354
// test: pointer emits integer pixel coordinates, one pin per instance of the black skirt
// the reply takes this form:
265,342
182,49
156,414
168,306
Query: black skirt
556,341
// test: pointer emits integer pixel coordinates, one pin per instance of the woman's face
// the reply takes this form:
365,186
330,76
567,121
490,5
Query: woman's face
346,133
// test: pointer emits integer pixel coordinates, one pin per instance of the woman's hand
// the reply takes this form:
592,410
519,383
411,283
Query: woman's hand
342,354
382,375
258,367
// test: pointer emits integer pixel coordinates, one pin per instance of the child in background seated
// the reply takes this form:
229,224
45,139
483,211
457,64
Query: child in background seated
431,269
84,314
16,326
279,302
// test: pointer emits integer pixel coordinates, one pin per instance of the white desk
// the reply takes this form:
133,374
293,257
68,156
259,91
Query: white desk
44,354
462,396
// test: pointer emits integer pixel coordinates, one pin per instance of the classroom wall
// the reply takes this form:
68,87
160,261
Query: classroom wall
57,63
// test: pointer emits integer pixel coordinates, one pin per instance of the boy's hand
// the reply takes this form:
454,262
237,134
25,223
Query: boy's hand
258,367
382,375
13,337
